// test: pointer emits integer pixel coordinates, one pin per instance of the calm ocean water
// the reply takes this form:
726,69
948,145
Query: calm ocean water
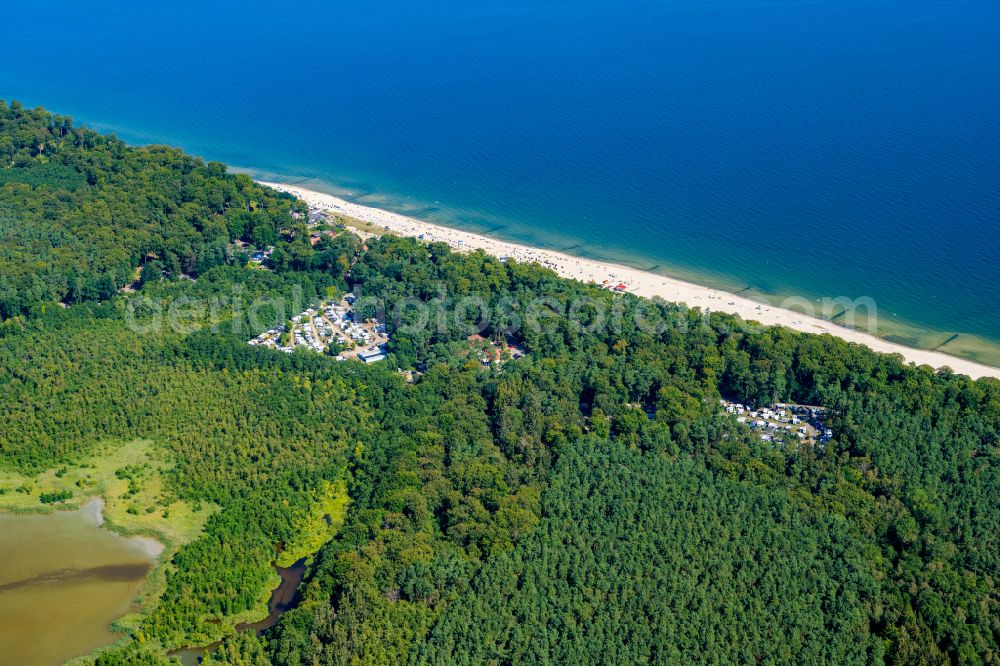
820,148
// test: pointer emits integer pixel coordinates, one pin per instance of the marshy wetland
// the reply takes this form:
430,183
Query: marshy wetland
67,572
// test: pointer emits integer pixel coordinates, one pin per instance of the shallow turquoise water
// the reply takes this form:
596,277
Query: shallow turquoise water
847,148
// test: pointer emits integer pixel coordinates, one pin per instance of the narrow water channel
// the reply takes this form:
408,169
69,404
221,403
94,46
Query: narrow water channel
283,598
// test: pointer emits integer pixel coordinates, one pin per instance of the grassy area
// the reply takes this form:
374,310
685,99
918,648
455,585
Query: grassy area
359,225
325,518
329,507
128,477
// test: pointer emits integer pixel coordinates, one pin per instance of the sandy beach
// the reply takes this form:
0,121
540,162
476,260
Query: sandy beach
637,282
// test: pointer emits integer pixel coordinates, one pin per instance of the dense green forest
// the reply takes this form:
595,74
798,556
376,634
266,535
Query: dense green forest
587,503
81,213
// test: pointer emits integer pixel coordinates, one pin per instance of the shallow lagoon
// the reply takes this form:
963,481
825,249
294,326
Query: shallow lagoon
63,581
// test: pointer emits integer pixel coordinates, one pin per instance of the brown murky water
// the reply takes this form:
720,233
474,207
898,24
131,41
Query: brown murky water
63,580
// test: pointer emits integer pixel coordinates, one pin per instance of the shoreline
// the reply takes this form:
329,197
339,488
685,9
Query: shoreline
93,510
639,282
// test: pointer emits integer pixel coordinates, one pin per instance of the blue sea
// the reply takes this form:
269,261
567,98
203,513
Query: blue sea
786,147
